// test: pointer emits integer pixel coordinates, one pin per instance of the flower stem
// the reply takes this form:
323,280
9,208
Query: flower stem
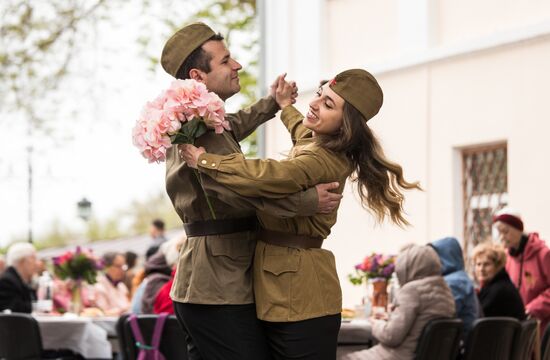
199,179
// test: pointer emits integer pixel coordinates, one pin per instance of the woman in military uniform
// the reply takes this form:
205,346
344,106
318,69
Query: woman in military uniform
296,287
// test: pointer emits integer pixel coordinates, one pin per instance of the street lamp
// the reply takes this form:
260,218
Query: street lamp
84,208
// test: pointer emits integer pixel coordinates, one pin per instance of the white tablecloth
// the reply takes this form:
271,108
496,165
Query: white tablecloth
354,335
356,331
78,334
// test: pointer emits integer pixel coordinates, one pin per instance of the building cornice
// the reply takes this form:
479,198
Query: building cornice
434,55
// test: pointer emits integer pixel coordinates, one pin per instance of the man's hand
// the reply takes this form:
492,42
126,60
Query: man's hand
284,92
190,154
328,201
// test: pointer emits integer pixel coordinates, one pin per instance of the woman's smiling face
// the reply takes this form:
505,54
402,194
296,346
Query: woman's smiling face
325,113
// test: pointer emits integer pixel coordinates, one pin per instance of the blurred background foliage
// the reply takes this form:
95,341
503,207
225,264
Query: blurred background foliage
40,41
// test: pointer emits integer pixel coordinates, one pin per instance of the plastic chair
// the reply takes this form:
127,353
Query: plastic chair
525,340
120,336
20,339
545,345
172,345
492,339
440,339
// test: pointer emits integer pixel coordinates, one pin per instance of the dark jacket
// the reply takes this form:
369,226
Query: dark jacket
14,293
462,287
499,297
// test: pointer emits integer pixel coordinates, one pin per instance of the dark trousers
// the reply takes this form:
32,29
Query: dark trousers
313,339
222,332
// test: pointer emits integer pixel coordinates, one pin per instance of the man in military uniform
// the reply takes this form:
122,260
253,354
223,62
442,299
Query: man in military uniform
212,291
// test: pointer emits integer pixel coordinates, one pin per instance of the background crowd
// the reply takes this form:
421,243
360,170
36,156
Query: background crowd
127,282
510,277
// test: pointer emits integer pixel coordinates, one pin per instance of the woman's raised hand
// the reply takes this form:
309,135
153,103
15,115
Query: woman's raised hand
190,154
284,92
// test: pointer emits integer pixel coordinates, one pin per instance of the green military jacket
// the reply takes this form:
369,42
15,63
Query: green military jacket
216,269
289,284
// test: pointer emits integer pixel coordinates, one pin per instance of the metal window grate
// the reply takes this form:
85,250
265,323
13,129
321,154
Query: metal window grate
485,190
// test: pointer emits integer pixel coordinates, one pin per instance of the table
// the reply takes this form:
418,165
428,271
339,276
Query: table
86,336
95,338
354,335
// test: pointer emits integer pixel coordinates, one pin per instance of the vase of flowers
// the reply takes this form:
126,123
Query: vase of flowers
375,271
79,267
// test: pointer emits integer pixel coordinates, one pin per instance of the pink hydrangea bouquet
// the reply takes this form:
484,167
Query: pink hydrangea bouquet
178,115
375,266
79,265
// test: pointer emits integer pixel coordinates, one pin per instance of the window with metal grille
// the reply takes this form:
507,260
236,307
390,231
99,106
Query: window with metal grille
485,190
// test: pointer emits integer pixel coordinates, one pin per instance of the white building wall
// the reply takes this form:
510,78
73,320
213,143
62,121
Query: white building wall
461,88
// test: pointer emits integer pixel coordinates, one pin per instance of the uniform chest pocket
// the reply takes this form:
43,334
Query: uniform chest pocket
280,264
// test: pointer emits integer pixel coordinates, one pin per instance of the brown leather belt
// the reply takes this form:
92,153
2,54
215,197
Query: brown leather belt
220,227
290,240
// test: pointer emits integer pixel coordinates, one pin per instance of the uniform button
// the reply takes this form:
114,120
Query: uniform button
213,164
203,162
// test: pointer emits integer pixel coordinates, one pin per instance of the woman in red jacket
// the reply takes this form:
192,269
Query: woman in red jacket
528,264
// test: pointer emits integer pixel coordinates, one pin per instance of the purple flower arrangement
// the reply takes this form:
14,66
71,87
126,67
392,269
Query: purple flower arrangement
375,266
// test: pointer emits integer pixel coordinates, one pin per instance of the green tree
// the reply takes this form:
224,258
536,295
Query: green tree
38,42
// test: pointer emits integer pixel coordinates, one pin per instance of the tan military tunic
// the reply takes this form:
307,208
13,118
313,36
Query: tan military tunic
290,284
216,269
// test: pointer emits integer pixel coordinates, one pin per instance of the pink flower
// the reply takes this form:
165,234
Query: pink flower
163,117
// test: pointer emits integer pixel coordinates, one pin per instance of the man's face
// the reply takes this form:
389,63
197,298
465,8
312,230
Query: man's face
223,78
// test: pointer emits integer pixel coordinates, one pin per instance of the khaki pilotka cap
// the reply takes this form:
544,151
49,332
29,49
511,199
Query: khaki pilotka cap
182,44
359,88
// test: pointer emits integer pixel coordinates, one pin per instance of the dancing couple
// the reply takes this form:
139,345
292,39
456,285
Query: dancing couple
255,283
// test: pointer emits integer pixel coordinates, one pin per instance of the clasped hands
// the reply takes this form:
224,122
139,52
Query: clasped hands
285,94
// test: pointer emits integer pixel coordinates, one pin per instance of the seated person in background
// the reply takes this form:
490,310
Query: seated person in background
497,294
15,291
423,296
131,262
462,287
2,264
158,271
528,264
163,301
110,293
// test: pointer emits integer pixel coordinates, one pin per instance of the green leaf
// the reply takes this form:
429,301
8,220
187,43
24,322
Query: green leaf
189,131
201,129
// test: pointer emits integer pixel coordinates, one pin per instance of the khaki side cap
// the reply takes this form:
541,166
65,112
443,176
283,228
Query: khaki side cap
182,44
359,88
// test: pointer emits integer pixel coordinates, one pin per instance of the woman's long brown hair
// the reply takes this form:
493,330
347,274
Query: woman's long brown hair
380,181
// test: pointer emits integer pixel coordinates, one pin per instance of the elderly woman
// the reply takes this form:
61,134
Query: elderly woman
497,294
423,296
528,264
111,295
